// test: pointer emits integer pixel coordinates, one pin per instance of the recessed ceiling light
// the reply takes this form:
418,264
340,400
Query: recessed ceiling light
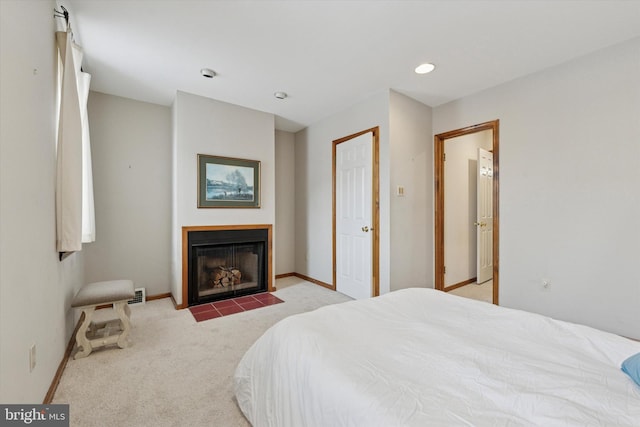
208,73
425,68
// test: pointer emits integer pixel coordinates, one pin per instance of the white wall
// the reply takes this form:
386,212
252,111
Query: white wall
406,223
285,202
131,150
569,180
460,204
35,288
314,186
411,166
207,126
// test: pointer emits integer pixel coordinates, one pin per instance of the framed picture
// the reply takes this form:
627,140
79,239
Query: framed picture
225,182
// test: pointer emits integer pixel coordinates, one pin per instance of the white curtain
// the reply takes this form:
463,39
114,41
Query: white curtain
75,219
88,213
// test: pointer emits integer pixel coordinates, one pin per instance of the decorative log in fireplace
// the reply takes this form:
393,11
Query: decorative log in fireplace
222,277
221,262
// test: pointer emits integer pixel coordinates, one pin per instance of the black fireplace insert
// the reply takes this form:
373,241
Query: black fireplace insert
226,263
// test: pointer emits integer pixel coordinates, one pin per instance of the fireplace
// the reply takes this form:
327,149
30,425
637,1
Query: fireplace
225,262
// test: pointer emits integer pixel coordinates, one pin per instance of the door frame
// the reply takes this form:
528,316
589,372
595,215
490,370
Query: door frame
375,206
439,214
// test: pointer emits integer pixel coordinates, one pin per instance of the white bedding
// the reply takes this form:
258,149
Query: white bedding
419,357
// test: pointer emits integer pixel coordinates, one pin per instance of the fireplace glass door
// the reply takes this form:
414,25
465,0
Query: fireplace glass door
226,270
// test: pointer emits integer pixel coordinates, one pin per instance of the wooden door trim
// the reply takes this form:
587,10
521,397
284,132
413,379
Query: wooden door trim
439,213
375,205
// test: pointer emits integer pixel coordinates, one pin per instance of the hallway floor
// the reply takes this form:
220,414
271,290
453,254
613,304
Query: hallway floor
482,292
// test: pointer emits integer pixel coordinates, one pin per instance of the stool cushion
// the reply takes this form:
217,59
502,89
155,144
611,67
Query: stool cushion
104,293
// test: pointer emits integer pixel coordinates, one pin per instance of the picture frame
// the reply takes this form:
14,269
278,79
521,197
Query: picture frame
227,182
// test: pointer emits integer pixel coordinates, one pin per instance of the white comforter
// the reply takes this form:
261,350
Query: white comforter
419,357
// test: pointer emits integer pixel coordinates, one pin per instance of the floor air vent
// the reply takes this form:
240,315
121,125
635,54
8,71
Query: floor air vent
139,297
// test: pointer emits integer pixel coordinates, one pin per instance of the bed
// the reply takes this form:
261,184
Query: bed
420,357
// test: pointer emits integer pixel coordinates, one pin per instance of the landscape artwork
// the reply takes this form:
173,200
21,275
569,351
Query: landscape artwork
226,182
229,182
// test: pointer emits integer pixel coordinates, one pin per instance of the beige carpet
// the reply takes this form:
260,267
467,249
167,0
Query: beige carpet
177,372
482,292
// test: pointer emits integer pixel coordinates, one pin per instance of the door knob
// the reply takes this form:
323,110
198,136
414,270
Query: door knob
365,229
480,224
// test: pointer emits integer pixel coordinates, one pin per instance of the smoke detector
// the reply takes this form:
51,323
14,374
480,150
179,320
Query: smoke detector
280,95
208,73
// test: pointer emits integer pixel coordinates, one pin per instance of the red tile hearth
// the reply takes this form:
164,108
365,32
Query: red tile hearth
231,306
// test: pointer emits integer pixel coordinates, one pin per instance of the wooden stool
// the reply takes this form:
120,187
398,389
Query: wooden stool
94,335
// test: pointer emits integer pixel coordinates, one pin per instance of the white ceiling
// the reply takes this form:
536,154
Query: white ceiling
328,55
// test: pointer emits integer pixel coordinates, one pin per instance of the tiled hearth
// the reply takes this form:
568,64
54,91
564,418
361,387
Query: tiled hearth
231,306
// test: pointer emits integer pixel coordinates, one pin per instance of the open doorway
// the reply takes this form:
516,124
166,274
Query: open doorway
466,208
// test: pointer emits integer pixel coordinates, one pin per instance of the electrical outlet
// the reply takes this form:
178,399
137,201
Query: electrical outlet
400,191
32,358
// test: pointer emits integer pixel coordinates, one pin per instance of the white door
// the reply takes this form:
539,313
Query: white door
484,222
353,216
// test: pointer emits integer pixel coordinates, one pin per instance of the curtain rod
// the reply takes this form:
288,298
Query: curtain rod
62,14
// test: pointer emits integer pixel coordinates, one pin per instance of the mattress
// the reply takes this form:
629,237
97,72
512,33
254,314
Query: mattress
419,357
